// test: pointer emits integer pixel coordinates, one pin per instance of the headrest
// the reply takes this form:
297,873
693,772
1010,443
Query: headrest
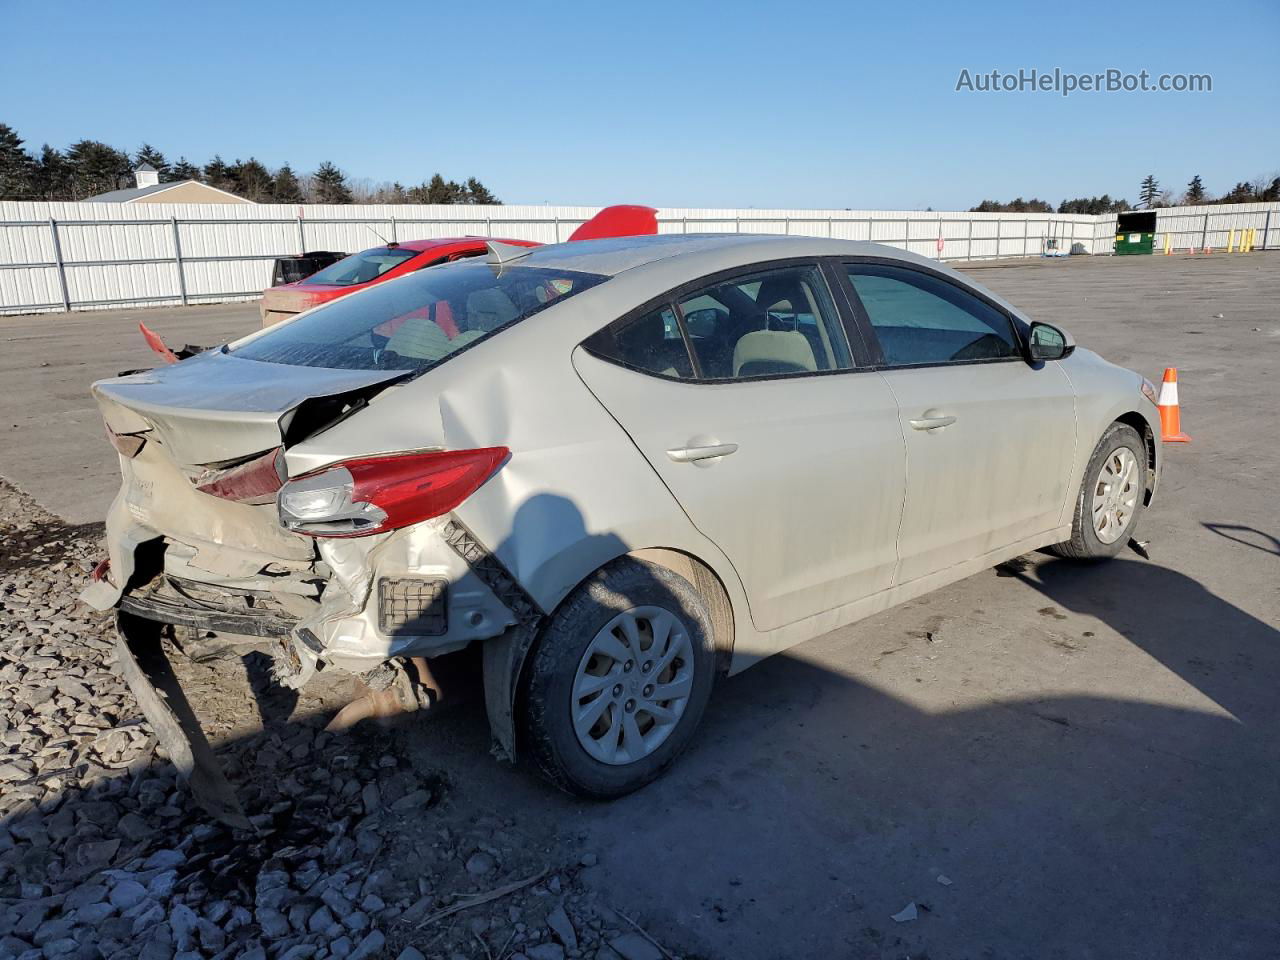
763,352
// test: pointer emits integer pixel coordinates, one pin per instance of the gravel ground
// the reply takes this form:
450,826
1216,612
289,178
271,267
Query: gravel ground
355,854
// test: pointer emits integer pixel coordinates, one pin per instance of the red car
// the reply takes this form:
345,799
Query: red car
360,270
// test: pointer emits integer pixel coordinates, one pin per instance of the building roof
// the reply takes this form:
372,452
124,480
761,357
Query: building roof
145,166
134,193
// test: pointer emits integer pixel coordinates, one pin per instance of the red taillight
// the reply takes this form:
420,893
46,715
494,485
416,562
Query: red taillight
255,481
370,495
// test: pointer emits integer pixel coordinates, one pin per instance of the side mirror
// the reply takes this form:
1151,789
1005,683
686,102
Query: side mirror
1049,343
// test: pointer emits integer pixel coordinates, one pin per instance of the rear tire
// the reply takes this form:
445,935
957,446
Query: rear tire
619,680
1110,501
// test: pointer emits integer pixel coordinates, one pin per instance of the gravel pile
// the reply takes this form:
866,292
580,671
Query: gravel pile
354,854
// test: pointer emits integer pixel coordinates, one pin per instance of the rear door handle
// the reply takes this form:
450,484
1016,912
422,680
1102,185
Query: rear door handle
931,423
693,454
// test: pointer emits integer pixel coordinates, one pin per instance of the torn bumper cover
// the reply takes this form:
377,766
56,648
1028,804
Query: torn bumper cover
142,662
399,680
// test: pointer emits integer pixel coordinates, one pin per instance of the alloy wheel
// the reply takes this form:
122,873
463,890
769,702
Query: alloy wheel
632,685
1115,495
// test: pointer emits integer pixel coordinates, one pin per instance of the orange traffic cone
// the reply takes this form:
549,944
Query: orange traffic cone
1170,417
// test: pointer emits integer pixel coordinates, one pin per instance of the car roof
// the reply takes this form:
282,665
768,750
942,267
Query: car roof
615,255
665,261
432,244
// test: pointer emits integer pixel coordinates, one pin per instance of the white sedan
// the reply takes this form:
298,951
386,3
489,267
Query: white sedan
623,466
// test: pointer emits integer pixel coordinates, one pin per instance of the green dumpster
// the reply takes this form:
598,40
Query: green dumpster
1135,232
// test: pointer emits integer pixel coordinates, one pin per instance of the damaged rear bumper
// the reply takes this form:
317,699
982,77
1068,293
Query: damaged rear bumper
395,671
141,660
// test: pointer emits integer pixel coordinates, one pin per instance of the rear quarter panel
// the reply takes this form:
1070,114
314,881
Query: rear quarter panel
575,492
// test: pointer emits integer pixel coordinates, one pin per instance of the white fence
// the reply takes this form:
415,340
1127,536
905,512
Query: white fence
63,256
1210,226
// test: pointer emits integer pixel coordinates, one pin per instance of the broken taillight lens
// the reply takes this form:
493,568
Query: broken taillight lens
356,498
254,481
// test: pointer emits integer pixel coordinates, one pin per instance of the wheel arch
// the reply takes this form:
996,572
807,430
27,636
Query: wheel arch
1140,423
507,658
708,583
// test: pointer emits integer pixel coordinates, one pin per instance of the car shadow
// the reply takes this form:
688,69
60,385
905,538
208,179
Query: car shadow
816,805
1227,654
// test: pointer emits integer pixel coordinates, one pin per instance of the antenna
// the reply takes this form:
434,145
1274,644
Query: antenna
388,243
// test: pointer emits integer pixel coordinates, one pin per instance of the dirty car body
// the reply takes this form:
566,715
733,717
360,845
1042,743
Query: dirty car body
801,432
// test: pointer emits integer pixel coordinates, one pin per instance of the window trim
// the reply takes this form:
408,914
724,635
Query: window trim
866,329
670,299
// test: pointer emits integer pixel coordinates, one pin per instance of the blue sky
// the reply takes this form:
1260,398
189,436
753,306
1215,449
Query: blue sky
676,104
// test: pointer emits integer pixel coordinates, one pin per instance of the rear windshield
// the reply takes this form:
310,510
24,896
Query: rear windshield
362,267
415,322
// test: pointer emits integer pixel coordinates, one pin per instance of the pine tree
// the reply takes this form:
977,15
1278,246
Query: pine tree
98,168
1149,195
253,181
1195,190
1241,193
477,192
184,170
438,190
17,167
149,154
218,174
286,187
52,176
331,184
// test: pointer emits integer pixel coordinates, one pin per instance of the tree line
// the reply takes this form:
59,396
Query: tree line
89,167
1151,196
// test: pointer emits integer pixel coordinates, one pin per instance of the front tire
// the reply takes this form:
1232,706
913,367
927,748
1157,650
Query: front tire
619,680
1111,497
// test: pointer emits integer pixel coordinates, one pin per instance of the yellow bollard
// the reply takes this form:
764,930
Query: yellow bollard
1231,242
1168,244
1253,238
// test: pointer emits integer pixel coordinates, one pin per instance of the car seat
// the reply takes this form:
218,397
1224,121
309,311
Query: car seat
764,352
489,309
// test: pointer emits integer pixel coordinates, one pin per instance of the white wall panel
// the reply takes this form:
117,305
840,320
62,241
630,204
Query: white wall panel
227,250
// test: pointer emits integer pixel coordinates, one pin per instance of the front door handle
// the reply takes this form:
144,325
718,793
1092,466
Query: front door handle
693,454
931,423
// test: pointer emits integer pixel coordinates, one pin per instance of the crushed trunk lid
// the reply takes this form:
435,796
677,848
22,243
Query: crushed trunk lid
216,407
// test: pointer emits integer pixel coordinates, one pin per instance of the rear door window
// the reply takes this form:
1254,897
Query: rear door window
651,343
922,319
417,321
773,323
769,323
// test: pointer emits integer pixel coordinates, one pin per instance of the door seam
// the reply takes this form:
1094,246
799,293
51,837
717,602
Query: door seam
671,493
906,482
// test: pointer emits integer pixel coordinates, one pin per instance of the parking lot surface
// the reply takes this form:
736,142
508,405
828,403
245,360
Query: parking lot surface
1046,759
